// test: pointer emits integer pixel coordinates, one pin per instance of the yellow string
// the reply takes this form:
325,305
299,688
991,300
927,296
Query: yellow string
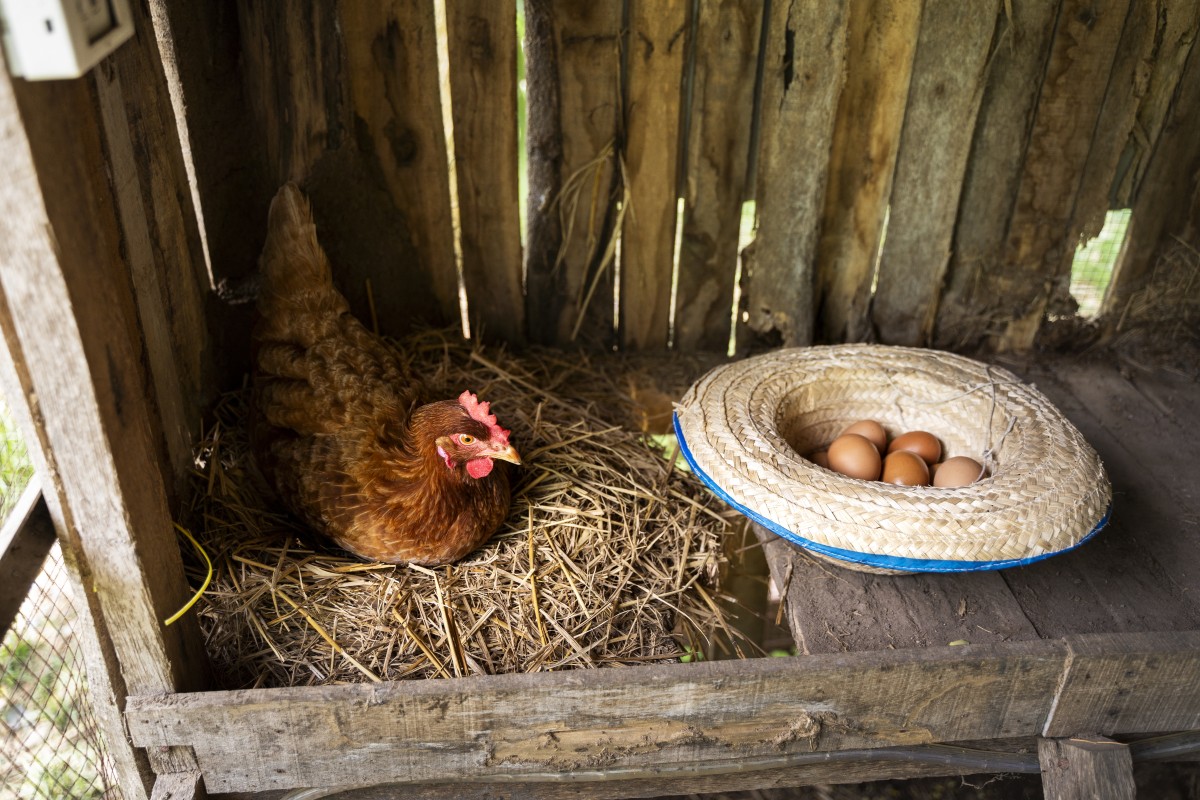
203,586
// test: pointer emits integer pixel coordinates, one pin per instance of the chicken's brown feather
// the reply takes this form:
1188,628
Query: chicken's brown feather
338,431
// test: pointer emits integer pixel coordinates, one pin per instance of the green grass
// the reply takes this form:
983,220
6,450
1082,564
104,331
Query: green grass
1092,267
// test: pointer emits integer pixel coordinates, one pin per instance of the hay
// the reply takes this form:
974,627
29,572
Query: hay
606,559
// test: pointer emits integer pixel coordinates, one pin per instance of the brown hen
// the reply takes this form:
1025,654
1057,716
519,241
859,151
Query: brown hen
339,429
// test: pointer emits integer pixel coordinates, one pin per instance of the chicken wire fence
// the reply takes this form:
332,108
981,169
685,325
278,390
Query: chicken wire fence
1094,262
50,745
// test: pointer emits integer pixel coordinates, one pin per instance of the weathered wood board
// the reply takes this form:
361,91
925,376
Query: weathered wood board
803,74
882,39
714,715
718,159
946,88
25,542
658,42
573,63
482,44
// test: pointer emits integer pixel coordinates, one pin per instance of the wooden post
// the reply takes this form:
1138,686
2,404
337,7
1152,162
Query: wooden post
1086,768
25,541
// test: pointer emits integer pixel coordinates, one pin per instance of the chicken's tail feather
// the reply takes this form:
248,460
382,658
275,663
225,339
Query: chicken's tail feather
298,300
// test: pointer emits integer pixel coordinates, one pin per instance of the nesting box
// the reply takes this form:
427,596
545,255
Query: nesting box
701,177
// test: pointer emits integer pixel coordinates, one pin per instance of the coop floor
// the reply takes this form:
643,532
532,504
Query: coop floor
1141,573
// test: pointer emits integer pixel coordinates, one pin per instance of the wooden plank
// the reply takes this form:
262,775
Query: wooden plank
106,686
1068,109
72,316
347,101
160,235
949,75
25,542
989,189
1083,768
1128,683
728,35
657,46
599,723
883,39
741,777
1164,206
573,65
805,64
482,46
1137,422
832,609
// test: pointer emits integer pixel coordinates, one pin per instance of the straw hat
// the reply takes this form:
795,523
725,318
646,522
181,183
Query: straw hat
743,427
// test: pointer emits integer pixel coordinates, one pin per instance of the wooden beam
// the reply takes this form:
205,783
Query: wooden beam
1085,768
883,39
179,786
657,45
803,74
482,43
25,542
728,34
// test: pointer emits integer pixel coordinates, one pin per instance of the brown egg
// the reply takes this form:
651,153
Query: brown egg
820,458
957,471
905,468
872,430
854,456
922,443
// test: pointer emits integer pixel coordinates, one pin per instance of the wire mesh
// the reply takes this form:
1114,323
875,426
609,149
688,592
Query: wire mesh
50,745
1092,267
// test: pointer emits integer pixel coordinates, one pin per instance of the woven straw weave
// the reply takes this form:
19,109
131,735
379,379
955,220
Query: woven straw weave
744,426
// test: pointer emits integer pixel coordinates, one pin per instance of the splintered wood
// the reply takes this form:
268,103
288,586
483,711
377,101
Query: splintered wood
607,558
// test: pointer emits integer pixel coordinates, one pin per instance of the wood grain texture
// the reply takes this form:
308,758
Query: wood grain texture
946,88
25,541
1126,683
1087,767
67,318
728,35
179,786
657,46
482,45
883,39
969,306
831,609
573,68
803,75
160,235
1040,234
600,722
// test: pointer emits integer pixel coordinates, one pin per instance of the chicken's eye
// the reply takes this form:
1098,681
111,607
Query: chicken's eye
466,439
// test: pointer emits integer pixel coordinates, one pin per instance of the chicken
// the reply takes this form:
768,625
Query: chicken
338,428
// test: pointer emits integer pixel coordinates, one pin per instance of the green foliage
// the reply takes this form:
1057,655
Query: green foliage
15,467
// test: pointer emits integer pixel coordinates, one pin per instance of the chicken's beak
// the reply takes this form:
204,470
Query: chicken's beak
507,453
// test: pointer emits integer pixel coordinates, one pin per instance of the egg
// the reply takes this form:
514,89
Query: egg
905,468
854,456
923,443
958,471
872,430
820,458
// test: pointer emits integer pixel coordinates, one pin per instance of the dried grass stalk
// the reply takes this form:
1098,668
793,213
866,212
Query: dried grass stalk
601,562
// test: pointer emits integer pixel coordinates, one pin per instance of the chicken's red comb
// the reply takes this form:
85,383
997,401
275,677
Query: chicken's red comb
480,412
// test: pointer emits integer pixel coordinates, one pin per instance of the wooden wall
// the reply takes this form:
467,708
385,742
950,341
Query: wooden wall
985,139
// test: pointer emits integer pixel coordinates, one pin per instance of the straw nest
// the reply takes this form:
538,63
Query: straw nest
608,557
